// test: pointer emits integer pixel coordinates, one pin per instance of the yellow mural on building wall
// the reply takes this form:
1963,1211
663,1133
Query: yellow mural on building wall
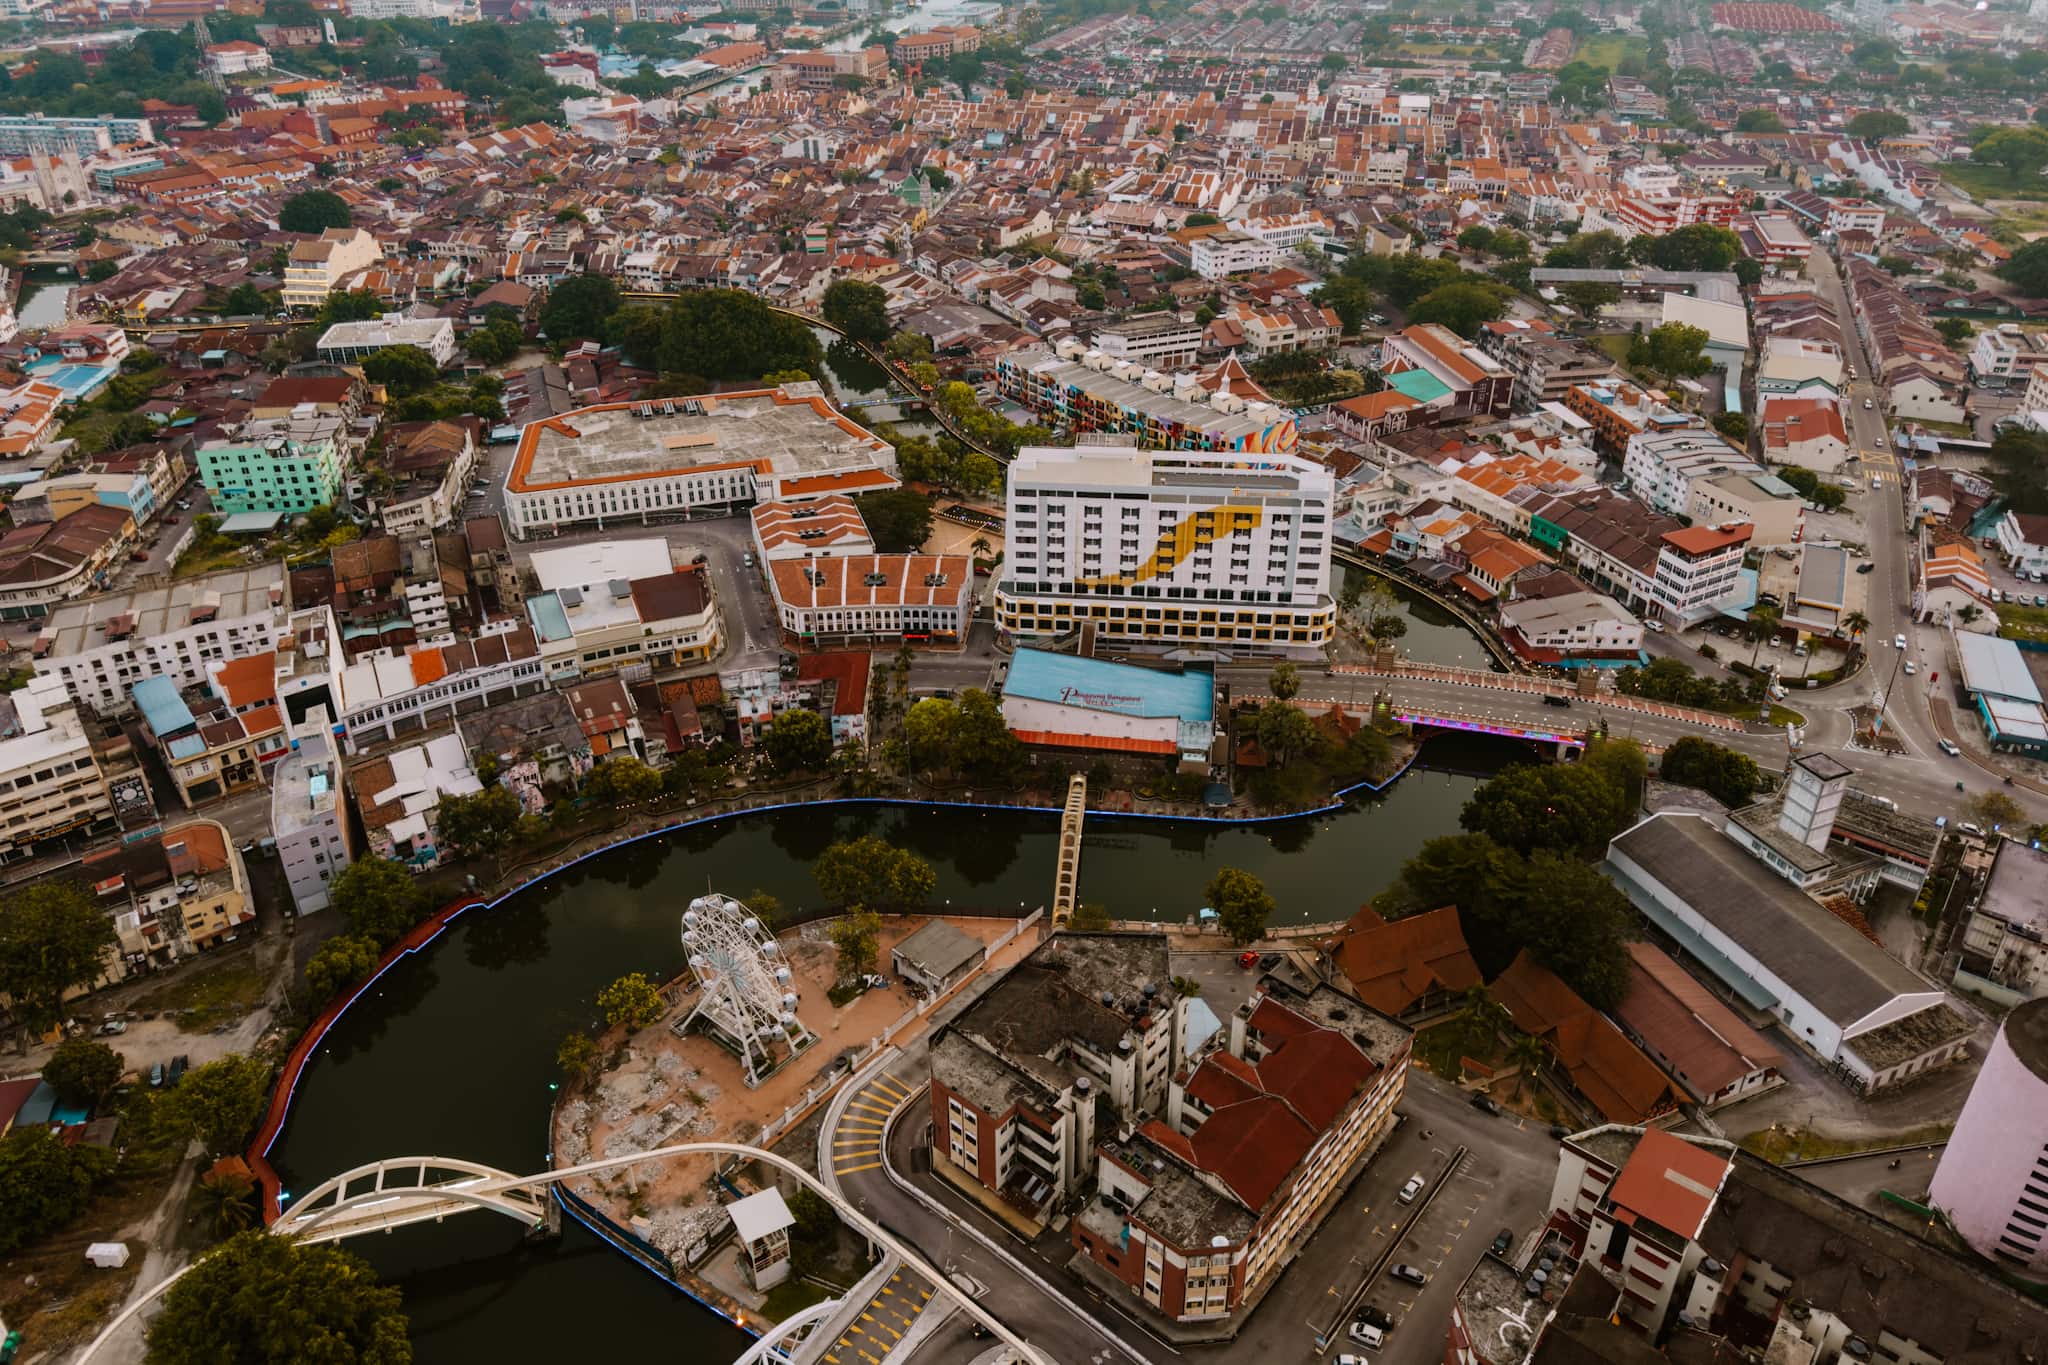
1195,529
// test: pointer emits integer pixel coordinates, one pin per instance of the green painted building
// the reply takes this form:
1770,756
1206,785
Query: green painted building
275,474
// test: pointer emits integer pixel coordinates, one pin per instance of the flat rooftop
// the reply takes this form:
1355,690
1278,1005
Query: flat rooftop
790,430
73,627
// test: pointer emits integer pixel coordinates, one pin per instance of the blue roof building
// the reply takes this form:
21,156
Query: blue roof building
1066,702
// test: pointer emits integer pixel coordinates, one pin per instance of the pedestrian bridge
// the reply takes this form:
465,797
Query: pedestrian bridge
381,1196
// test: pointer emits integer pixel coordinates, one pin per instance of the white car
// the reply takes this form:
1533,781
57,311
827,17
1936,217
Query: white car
1867,405
1654,625
1367,1335
1910,670
1899,641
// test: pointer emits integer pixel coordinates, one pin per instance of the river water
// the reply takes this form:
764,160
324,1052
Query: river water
453,1052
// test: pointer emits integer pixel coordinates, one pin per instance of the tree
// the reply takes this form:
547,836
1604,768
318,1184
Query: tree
1955,331
1089,917
1529,806
45,1183
83,1072
402,369
480,823
983,747
1701,246
227,1193
220,1102
1587,299
1759,121
258,1299
1285,732
858,309
900,519
928,732
313,212
1855,623
1463,308
799,739
622,781
872,872
2019,465
245,300
379,898
1528,1054
1241,902
631,1002
1675,350
1478,237
1572,920
1875,125
341,961
1992,810
857,935
579,307
1623,763
355,305
52,940
1284,681
1727,776
908,348
496,342
2027,268
1733,425
2022,151
576,1055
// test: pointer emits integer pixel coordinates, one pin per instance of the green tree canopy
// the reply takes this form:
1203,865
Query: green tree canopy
45,1183
799,739
496,342
52,939
2019,469
341,961
259,1299
2027,269
1701,246
713,333
314,211
82,1071
1241,902
579,306
1875,125
1463,307
220,1102
1676,350
379,898
1759,121
858,309
1727,776
480,823
900,519
857,935
631,1002
1531,806
871,872
402,369
2021,151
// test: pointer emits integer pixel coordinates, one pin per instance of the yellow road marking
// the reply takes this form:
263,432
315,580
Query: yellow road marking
851,1170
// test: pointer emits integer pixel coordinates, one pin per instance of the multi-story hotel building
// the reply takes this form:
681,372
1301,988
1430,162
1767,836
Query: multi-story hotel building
1169,549
1089,391
52,778
668,458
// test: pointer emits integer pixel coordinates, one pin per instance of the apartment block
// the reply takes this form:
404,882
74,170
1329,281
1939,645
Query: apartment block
1088,391
309,814
288,465
53,780
1663,466
1160,341
316,268
1169,549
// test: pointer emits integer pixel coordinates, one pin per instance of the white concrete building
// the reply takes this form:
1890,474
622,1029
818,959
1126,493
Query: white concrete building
346,343
1158,341
619,606
1662,467
1992,1183
873,599
666,459
1169,549
316,268
2023,540
309,815
1857,1008
53,780
1219,254
1573,624
102,646
385,696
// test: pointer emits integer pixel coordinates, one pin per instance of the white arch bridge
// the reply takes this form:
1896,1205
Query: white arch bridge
401,1191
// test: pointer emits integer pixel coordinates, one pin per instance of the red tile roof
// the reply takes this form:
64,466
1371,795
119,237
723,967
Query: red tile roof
1391,965
1670,1182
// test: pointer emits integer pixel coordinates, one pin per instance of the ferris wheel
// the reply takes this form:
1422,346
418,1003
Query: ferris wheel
746,993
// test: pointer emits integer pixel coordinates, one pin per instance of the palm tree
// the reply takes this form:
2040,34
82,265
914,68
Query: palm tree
981,547
1763,619
1855,623
1528,1054
1483,1016
228,1198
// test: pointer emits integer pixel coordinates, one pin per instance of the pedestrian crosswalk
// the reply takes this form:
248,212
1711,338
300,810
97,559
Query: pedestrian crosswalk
869,1338
857,1142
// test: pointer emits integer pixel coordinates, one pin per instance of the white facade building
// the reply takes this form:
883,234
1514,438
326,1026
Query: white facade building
1662,466
1992,1183
1159,341
345,343
53,780
619,606
1173,549
102,646
309,815
1573,623
1231,253
384,696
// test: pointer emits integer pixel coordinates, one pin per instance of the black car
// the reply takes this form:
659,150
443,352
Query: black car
1502,1241
1865,567
1555,699
1484,1105
1269,962
1377,1317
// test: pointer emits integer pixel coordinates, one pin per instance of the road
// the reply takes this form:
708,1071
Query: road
1504,1182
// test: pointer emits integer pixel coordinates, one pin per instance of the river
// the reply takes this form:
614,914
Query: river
453,1053
47,305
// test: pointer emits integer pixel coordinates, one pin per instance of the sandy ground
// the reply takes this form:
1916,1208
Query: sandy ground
664,1089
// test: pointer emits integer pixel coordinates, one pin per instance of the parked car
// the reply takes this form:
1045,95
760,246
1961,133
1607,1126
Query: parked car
113,1028
1865,567
156,1076
1412,1188
1484,1104
1247,960
1653,624
180,1064
1377,1316
1910,670
1269,962
1868,405
1899,641
1412,1274
1503,1241
1367,1335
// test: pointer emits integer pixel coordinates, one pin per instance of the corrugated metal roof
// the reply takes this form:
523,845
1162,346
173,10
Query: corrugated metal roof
1994,667
161,706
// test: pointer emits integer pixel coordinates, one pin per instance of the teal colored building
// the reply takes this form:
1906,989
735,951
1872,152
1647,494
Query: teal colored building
274,475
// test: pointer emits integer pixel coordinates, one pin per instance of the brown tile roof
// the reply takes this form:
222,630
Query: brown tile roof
1702,1040
1393,964
1605,1067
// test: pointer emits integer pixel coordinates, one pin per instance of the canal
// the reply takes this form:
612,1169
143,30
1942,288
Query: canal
452,1053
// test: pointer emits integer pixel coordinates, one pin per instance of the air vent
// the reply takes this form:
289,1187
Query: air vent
935,580
620,588
570,597
815,577
876,580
